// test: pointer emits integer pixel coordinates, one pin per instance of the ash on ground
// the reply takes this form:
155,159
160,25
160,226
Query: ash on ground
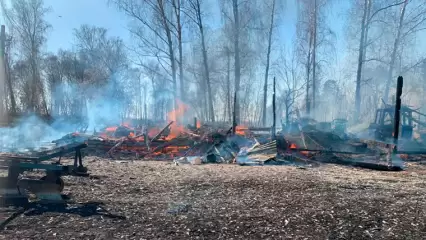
160,200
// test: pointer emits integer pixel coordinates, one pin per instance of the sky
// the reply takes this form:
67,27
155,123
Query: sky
66,15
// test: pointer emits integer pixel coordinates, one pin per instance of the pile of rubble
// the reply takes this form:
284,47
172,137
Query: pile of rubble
204,143
215,144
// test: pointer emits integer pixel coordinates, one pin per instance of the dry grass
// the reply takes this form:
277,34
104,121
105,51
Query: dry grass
164,201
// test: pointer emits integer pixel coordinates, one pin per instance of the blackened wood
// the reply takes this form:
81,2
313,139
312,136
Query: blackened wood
161,132
115,146
397,115
234,114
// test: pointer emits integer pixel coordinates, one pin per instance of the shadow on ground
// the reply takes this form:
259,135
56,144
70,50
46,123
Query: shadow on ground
82,209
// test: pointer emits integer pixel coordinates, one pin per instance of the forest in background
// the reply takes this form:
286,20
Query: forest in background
176,56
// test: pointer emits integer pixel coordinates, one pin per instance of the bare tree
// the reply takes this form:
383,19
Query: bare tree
3,77
313,35
291,88
26,19
361,54
411,20
369,17
106,54
7,65
237,67
152,26
194,12
268,56
178,28
240,17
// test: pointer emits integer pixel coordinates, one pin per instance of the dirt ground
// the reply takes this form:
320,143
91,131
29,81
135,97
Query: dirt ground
160,200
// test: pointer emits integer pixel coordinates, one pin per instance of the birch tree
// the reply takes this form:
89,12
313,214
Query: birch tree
369,16
195,13
411,21
268,57
26,19
239,18
152,26
313,35
177,9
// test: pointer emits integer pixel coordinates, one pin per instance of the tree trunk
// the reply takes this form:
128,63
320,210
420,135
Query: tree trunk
234,115
34,82
2,73
287,114
314,54
228,84
308,73
367,24
179,35
205,61
274,115
237,60
166,27
360,62
268,54
9,85
395,50
203,98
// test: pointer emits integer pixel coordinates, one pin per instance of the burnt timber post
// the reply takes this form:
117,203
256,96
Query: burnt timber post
234,114
397,116
274,115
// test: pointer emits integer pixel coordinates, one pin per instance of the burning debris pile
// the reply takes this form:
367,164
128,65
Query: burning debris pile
211,143
305,141
174,140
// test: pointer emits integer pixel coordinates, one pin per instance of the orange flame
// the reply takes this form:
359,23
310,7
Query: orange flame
198,124
176,129
294,146
114,128
111,129
180,110
241,130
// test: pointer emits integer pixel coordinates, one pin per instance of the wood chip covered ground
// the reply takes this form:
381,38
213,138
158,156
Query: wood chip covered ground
160,200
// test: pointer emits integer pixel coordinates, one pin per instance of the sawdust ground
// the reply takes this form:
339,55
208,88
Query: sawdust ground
164,201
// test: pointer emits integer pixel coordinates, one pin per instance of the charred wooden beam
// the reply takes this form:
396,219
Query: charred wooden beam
332,151
116,146
260,129
161,132
373,166
397,112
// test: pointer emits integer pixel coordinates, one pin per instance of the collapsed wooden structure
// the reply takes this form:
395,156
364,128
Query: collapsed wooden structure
305,143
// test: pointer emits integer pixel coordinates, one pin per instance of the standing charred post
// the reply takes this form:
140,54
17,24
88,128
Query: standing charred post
274,115
397,116
234,114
